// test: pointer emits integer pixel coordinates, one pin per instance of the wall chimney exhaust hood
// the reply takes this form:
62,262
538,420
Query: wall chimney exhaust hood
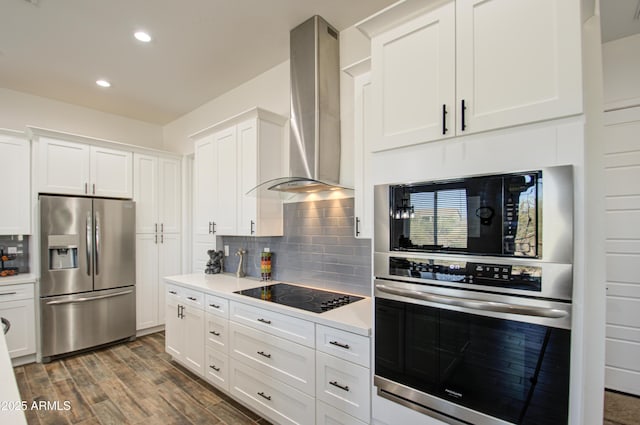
314,138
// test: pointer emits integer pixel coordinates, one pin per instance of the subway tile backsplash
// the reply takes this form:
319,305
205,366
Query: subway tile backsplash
22,247
318,248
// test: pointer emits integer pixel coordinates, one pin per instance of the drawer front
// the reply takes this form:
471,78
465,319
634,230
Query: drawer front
343,385
342,344
16,292
329,415
216,305
173,294
291,328
273,399
278,358
216,368
217,332
193,298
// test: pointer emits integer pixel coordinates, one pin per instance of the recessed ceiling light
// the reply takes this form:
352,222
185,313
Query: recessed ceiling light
142,36
103,83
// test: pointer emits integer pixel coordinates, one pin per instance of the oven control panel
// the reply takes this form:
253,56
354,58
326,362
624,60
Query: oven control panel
488,274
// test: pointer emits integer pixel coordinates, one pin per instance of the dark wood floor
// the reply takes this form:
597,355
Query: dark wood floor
132,383
621,409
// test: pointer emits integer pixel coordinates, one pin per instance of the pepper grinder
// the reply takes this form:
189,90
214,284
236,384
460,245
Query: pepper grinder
240,252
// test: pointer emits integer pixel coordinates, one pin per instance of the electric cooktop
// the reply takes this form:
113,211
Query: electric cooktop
315,300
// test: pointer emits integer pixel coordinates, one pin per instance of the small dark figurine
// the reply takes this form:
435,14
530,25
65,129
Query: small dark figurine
216,262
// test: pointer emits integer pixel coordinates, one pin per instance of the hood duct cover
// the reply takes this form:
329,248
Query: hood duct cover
314,138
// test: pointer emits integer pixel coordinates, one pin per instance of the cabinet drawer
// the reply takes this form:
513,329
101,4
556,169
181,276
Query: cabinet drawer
343,344
343,385
217,305
276,401
291,363
216,368
173,293
291,328
16,292
217,332
329,415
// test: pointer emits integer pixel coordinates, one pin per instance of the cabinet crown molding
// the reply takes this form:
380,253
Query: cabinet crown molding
396,14
255,112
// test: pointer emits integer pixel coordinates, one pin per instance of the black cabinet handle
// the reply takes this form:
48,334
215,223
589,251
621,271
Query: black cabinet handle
261,394
268,322
357,226
214,227
173,292
263,354
252,229
336,343
464,109
214,333
217,369
214,306
444,119
192,298
335,384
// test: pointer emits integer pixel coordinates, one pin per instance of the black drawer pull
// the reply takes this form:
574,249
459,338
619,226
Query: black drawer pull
261,394
173,292
217,369
268,322
214,306
192,298
336,343
263,354
214,333
335,384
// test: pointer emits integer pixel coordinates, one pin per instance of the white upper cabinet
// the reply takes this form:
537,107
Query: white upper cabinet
231,158
517,61
473,65
157,193
71,168
413,73
14,151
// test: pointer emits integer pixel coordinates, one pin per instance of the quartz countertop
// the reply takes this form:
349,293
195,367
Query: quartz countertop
355,317
18,279
11,412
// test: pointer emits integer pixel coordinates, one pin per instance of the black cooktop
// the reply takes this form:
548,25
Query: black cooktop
315,300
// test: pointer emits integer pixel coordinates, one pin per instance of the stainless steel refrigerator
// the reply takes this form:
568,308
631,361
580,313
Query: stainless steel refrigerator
87,273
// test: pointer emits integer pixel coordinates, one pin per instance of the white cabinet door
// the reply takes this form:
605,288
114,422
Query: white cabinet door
64,167
247,177
111,173
169,196
147,297
413,74
169,264
226,182
16,219
202,244
517,61
174,338
204,185
193,330
363,200
145,192
21,338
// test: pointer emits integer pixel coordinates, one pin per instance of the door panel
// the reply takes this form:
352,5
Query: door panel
115,243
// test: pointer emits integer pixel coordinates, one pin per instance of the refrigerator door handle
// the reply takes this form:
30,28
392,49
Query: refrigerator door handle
97,239
84,299
89,227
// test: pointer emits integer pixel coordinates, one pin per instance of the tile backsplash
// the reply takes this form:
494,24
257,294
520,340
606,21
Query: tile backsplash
318,248
22,247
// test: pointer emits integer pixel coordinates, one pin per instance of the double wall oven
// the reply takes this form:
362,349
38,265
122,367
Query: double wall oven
473,285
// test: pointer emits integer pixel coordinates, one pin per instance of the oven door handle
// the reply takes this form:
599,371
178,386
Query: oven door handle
498,307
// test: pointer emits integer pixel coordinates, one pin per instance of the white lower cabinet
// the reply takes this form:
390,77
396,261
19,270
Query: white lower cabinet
17,307
184,327
329,415
269,397
216,368
343,385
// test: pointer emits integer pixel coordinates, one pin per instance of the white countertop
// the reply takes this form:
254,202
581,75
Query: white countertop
11,412
355,317
18,279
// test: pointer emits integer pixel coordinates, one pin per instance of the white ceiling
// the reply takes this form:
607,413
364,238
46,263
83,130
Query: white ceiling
201,48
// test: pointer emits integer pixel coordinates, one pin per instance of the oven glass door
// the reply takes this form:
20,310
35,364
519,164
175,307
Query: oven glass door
515,371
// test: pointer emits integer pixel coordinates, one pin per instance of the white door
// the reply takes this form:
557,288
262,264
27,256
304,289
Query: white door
146,281
363,199
227,182
248,177
63,167
413,74
145,192
622,173
16,219
169,261
169,197
193,329
174,338
204,185
21,338
111,173
517,62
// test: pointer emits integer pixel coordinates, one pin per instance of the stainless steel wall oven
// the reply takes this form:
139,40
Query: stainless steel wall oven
473,297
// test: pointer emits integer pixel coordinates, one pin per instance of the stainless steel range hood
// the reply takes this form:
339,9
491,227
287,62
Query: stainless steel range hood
314,138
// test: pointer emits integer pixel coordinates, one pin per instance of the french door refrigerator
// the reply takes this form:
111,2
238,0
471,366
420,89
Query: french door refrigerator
87,273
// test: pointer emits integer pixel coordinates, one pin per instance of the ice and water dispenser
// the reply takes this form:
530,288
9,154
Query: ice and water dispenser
63,252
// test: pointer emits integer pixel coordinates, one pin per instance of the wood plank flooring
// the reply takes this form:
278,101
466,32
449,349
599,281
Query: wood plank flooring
132,383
